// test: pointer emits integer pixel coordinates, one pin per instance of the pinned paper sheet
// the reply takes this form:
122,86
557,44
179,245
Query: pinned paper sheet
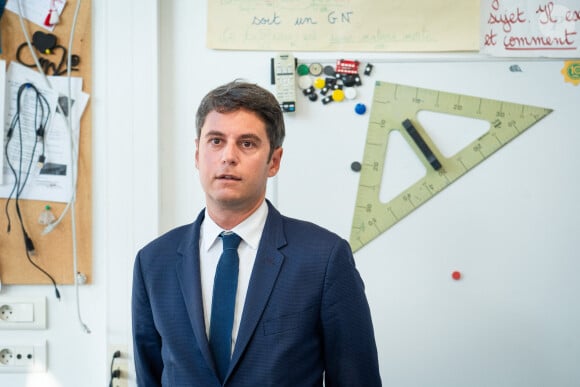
53,181
44,13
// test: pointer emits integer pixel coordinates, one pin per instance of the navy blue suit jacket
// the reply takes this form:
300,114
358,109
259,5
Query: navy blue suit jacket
305,319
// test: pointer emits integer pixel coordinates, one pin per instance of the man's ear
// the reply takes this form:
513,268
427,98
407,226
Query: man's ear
275,161
196,152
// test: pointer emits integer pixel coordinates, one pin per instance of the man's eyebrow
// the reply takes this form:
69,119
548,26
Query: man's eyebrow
250,136
245,136
213,133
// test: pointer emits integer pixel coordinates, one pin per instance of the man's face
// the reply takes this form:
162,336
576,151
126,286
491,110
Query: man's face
232,158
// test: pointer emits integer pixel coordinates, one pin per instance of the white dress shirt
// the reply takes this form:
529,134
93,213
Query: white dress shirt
210,249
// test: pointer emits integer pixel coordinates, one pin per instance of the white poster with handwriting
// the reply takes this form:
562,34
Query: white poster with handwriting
344,25
530,28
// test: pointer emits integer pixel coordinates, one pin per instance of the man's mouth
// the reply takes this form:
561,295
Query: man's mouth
228,177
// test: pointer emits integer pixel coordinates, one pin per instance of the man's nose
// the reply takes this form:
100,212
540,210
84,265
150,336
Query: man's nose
230,153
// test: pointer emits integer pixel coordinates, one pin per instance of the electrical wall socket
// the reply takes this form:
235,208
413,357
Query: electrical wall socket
22,358
121,364
22,312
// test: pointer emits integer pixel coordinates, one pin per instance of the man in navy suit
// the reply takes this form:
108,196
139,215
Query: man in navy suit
301,316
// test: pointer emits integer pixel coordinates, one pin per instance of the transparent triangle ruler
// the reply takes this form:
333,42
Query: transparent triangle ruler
395,107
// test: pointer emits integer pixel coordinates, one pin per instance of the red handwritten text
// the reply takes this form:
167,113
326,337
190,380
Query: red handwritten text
573,15
531,43
546,13
508,19
489,39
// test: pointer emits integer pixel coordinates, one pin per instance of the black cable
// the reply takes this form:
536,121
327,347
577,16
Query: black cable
56,292
19,183
46,64
39,131
15,121
8,138
114,373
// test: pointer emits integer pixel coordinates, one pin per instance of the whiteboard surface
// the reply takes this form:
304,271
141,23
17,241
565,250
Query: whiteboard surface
509,226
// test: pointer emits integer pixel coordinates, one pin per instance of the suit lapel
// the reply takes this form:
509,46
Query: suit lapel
264,274
188,273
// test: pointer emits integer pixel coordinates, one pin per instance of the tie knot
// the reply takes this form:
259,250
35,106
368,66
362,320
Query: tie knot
230,240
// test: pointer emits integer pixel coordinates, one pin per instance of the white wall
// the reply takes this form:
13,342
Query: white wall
125,201
512,321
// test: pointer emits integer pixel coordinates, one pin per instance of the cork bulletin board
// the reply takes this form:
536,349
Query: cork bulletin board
53,251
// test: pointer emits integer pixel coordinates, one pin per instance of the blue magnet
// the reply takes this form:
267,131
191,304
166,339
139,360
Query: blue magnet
360,108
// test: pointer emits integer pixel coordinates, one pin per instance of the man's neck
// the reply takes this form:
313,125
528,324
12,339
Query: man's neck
228,218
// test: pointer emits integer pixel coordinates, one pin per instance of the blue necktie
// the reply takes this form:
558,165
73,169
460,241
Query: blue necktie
223,303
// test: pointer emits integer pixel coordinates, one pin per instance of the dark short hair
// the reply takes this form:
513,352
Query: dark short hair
238,95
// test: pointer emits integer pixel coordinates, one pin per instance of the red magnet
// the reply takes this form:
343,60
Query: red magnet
456,275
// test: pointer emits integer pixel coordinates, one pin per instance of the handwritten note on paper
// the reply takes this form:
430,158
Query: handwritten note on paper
530,28
344,25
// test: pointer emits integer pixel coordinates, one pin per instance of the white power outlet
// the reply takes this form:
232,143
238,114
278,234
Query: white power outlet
119,364
22,357
22,313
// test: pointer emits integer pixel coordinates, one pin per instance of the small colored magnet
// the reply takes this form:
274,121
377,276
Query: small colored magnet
338,95
329,70
368,69
319,83
304,82
349,92
360,108
327,100
315,69
302,69
571,72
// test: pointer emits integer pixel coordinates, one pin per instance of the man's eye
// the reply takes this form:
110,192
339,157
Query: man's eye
247,144
215,141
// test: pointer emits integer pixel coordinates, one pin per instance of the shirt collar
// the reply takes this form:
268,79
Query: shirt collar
250,230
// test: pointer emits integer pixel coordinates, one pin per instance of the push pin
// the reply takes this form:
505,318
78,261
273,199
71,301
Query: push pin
46,216
81,278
